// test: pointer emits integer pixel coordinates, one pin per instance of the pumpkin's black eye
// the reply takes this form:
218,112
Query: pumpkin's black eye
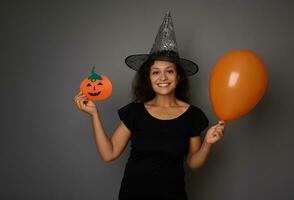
88,85
100,84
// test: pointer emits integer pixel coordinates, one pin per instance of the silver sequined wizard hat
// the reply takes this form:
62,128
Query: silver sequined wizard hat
164,48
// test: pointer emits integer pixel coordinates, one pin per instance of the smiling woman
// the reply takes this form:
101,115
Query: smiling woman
163,128
163,77
161,70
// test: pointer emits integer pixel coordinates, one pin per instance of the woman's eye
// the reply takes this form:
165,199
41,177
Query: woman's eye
155,72
171,71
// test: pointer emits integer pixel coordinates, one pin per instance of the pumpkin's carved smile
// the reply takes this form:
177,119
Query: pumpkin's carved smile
94,94
96,87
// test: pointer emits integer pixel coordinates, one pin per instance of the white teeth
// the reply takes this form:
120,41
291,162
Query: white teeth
163,84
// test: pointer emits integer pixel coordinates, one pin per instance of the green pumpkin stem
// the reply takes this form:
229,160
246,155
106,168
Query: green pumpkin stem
93,77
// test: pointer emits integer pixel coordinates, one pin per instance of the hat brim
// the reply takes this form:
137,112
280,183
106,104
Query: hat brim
137,60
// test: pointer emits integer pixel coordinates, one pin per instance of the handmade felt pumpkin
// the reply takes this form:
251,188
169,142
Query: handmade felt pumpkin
96,87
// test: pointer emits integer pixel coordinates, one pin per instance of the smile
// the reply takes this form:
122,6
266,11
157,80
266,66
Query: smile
94,94
163,84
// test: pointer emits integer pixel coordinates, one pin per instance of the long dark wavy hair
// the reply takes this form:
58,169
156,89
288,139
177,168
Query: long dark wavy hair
142,88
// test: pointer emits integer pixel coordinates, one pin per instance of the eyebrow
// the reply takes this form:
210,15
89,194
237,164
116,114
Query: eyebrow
166,67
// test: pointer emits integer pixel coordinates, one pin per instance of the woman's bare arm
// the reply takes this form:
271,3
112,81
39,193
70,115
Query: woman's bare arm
109,148
198,152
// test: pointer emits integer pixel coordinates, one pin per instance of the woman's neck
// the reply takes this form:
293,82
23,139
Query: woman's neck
164,101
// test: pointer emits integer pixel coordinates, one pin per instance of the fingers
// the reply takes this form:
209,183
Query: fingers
79,94
221,122
79,100
220,131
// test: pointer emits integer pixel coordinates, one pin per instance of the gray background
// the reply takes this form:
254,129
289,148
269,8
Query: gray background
47,149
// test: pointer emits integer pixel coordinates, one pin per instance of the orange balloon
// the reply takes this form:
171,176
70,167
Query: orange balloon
96,87
237,83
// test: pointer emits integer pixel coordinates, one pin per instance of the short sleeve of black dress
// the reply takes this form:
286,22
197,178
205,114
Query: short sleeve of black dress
199,121
127,115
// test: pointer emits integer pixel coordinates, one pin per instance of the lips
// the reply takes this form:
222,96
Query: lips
163,84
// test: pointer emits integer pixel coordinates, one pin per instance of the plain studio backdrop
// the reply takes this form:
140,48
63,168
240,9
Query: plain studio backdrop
48,48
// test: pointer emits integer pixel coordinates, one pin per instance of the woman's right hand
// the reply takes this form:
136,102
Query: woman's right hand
84,104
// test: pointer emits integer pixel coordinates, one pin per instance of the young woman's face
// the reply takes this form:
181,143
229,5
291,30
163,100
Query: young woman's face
163,77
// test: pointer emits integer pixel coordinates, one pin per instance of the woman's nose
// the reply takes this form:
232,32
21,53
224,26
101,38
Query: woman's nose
162,76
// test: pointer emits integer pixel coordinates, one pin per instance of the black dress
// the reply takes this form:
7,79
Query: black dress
155,167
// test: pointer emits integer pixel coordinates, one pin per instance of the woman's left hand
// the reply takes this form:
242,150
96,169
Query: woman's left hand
215,133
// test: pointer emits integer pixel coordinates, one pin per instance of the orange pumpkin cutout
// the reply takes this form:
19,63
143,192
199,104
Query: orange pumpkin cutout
96,87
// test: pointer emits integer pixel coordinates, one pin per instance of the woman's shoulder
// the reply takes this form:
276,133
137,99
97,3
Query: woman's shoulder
196,111
128,110
188,105
131,105
192,108
195,108
183,103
